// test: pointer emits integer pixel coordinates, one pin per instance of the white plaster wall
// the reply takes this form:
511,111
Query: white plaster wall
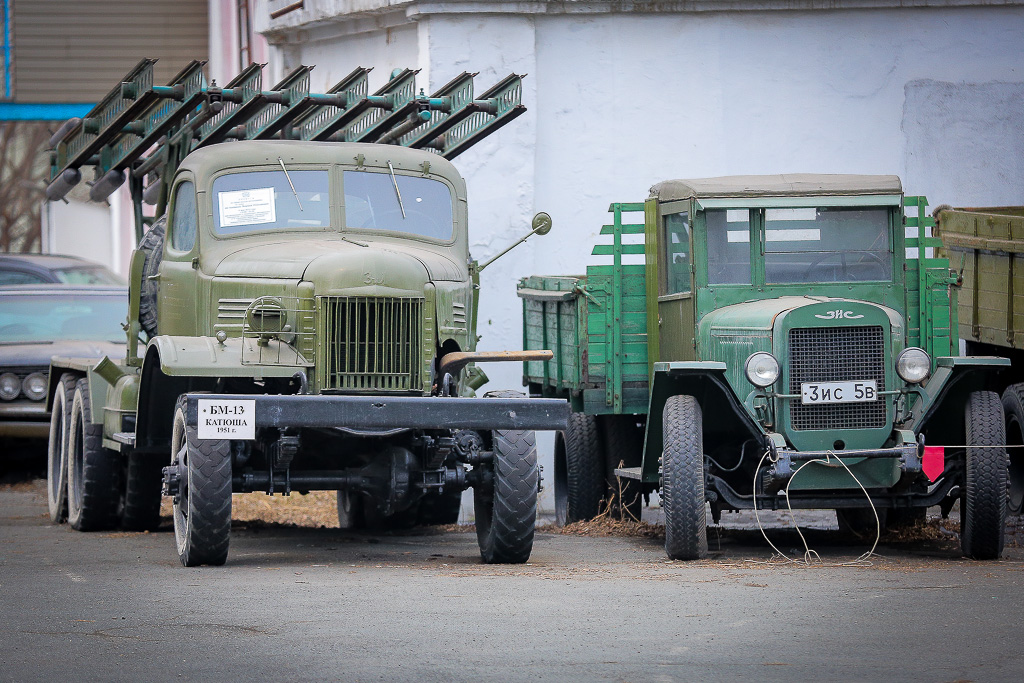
333,58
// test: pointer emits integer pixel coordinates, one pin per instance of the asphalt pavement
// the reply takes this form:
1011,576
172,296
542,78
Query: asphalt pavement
324,604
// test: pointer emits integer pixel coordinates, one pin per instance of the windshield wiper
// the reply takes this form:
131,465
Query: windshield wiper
395,182
290,183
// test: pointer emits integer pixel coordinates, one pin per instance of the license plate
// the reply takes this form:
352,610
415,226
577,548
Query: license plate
226,419
838,392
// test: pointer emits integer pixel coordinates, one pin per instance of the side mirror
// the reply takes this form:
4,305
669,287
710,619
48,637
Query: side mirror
541,225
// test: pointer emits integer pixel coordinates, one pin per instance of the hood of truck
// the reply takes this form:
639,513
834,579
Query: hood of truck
309,258
757,318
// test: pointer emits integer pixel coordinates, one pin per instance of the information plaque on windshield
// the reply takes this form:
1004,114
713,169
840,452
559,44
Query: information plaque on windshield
226,419
247,207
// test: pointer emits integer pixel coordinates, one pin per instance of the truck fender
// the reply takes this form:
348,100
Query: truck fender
723,411
208,357
939,414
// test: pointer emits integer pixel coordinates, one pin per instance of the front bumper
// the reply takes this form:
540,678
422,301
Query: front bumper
24,420
393,412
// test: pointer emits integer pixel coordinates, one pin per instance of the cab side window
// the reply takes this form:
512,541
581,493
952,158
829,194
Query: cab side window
677,253
183,222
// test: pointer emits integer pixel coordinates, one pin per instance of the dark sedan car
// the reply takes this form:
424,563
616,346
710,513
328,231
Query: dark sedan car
42,321
33,269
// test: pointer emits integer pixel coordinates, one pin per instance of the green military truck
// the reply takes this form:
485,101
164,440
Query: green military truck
776,347
986,246
303,311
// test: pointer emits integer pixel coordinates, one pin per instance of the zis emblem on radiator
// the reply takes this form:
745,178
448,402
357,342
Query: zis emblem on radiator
839,314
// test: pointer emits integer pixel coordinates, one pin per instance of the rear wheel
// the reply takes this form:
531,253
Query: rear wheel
506,510
57,449
143,478
1013,406
983,504
623,443
861,523
682,486
350,510
202,506
579,470
94,472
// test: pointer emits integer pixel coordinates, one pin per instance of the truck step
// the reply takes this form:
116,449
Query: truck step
628,472
127,438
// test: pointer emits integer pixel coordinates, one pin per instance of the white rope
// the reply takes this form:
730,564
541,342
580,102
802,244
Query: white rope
811,555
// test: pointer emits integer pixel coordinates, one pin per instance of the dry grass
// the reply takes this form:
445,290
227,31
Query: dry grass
316,509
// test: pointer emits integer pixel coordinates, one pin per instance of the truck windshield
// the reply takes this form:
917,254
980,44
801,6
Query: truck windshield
827,244
398,203
265,200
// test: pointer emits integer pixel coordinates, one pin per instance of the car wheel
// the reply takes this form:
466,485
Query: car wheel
141,508
983,503
682,487
202,506
580,486
506,510
1013,406
94,472
57,449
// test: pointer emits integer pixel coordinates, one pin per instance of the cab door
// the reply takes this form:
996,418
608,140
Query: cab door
178,308
674,278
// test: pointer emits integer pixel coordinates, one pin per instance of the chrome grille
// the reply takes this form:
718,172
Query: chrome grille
837,354
370,343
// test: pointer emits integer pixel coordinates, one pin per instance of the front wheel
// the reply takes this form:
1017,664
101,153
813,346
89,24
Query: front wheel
983,504
506,510
682,485
202,506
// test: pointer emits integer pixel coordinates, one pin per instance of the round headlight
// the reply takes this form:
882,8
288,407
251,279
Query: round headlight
913,365
10,386
762,369
34,386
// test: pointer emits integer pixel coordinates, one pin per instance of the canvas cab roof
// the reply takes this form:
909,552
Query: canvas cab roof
781,185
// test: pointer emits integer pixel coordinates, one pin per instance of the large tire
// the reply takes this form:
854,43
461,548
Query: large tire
983,503
376,520
152,244
1013,406
506,513
202,508
580,486
57,449
682,486
94,472
143,479
623,443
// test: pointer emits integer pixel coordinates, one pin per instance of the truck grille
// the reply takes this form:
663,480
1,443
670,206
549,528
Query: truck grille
369,343
837,354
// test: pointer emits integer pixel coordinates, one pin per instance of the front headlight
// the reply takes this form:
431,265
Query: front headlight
913,365
34,386
762,369
10,386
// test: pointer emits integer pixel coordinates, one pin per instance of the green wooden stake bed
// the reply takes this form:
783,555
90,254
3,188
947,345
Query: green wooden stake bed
302,315
774,346
986,246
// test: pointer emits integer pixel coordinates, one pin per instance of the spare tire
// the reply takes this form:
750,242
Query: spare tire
152,245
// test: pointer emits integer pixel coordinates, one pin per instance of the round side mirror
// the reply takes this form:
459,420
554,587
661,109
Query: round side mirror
542,223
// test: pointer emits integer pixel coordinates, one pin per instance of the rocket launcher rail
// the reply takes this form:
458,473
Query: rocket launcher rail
142,130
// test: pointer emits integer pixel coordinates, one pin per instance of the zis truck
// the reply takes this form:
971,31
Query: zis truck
302,314
986,246
777,347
